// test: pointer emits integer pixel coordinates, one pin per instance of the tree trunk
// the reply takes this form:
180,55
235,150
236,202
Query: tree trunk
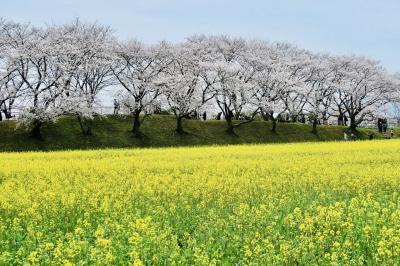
179,126
230,128
81,124
273,124
136,123
36,129
85,125
3,110
340,120
89,126
353,124
314,126
7,112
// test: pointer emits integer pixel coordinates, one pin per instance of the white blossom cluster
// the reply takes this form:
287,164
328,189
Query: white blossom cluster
56,70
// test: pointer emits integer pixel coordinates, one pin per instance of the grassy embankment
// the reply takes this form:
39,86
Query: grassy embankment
159,131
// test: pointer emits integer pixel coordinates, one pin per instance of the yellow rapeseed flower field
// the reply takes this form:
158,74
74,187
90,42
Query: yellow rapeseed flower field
311,203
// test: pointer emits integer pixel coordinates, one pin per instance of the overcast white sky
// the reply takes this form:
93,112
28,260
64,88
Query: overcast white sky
363,27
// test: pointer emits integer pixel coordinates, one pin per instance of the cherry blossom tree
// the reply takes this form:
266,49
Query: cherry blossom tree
62,69
272,79
85,62
233,80
295,64
395,78
31,56
320,84
138,67
184,87
10,90
363,87
10,82
395,97
41,76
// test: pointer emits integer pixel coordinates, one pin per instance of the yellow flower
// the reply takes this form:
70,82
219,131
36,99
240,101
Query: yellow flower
33,257
103,242
278,204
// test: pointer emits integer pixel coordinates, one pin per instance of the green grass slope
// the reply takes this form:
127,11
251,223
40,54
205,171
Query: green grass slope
158,131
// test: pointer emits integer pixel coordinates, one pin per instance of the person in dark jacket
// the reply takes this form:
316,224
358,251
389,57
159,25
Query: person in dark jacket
116,107
380,125
384,125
